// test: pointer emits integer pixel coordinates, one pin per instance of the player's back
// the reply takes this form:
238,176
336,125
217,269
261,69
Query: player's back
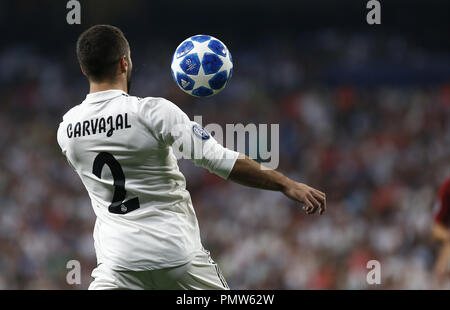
145,218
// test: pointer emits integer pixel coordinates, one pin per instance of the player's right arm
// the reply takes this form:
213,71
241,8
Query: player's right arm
250,173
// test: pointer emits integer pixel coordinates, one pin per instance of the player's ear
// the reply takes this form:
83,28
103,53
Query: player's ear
123,64
82,70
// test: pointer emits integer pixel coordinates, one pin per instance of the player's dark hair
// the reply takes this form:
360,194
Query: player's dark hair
99,50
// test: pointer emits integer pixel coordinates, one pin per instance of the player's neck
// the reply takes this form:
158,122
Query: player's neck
102,86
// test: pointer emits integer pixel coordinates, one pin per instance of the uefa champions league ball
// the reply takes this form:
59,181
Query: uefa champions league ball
202,66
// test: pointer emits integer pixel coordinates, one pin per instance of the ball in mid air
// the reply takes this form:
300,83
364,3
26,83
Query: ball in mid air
202,66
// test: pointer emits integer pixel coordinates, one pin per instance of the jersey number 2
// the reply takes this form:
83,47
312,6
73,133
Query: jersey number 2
118,205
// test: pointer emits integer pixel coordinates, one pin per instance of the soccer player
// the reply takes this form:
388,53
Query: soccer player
146,234
441,230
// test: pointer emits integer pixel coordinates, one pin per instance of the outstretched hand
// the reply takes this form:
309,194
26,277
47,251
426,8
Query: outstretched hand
311,198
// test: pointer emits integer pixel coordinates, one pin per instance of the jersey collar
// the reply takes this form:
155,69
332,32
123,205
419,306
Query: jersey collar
104,95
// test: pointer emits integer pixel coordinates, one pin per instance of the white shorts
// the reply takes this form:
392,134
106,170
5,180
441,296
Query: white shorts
202,273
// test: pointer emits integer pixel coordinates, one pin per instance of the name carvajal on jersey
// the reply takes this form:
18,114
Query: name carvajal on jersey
98,125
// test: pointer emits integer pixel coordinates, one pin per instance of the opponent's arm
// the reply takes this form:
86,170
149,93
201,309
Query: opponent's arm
440,232
249,173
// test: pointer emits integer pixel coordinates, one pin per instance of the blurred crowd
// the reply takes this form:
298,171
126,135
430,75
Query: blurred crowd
362,118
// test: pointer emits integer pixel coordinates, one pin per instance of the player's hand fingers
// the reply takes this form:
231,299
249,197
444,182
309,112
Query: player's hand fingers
319,194
323,202
308,206
311,198
316,203
323,207
313,206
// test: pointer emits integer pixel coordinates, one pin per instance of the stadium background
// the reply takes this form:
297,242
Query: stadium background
363,112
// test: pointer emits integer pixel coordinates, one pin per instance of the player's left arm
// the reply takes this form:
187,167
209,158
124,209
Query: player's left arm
250,173
175,129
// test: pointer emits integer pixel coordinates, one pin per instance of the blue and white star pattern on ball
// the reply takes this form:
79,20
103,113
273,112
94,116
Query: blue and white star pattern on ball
202,66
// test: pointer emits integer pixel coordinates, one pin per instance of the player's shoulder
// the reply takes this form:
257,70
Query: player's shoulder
156,102
444,189
446,183
160,115
158,106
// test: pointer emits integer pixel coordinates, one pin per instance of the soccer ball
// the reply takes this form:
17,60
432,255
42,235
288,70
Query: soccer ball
202,66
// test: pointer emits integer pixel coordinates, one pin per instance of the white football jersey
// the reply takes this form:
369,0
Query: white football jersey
122,148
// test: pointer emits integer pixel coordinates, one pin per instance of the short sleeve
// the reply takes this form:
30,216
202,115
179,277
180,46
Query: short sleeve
190,140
